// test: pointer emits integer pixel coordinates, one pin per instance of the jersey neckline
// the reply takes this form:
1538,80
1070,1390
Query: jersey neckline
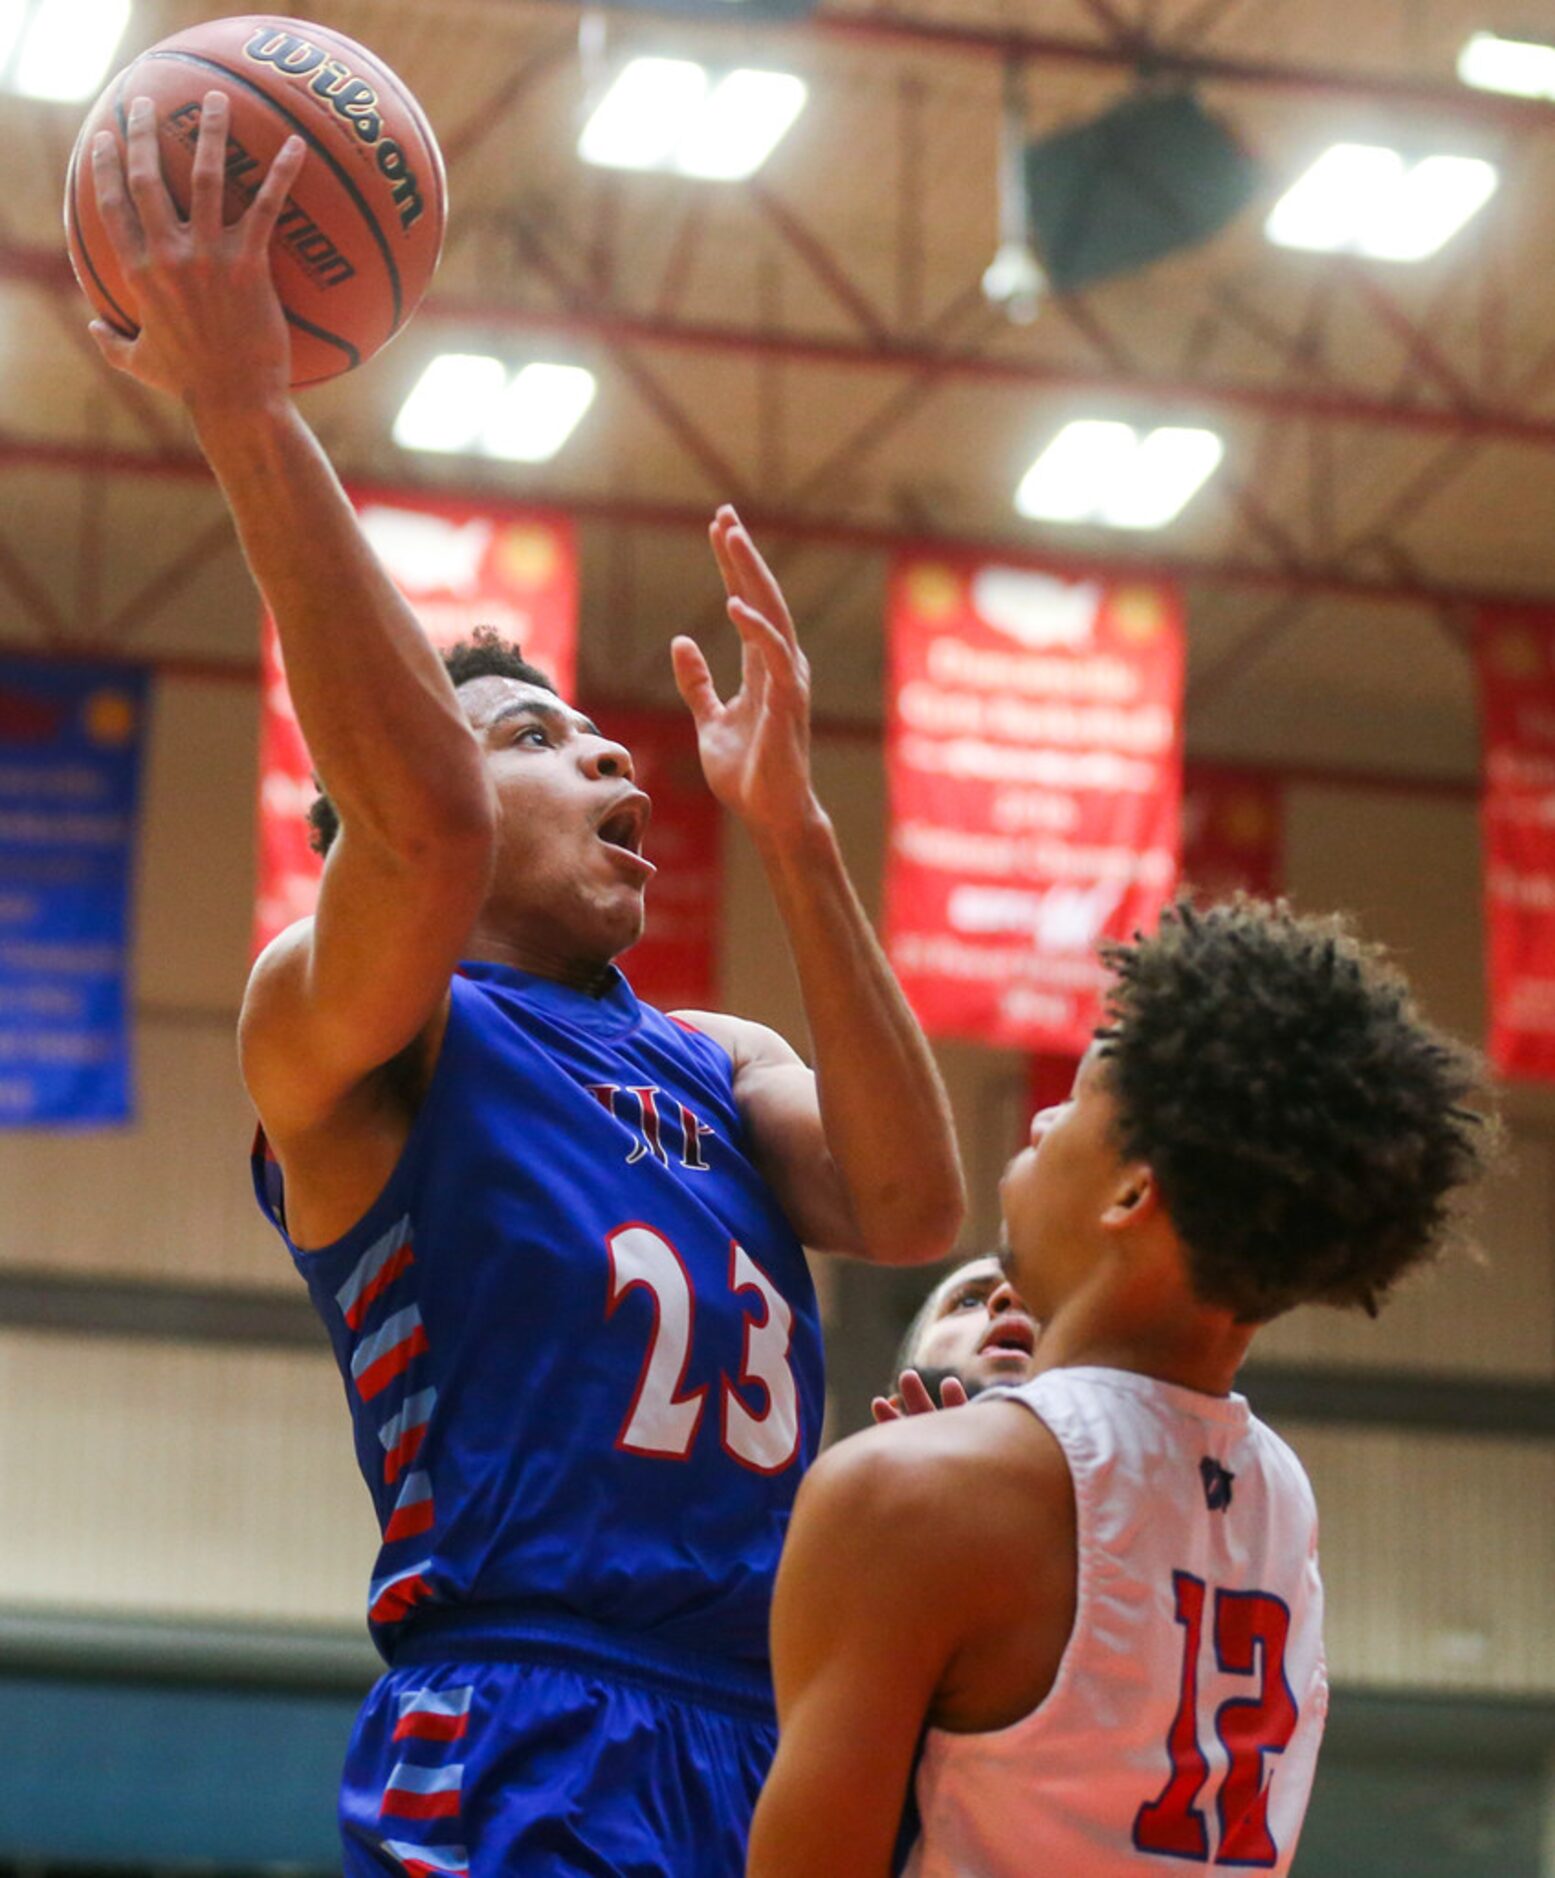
612,1012
1232,1409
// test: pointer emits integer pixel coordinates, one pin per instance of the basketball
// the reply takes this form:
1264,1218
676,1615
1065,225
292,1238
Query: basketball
359,237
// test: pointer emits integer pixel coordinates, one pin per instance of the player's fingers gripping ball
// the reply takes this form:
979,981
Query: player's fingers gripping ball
357,240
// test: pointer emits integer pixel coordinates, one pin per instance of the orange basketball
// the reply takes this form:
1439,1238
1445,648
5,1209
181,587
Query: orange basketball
359,237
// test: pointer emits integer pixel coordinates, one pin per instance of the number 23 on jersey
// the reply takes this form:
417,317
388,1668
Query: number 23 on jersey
663,1419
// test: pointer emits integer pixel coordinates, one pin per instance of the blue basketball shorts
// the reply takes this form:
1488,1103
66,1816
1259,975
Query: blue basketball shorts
554,1748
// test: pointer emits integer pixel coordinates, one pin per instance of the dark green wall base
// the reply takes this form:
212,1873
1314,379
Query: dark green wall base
109,1770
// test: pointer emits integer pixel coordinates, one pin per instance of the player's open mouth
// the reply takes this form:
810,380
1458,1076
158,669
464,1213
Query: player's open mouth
626,824
1011,1336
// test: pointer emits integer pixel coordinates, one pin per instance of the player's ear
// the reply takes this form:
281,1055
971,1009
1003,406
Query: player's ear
1135,1198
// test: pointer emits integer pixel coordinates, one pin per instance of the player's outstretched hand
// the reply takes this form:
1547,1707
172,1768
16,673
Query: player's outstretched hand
913,1398
755,746
211,327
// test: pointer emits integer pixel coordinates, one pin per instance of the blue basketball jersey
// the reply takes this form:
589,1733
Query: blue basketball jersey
577,1334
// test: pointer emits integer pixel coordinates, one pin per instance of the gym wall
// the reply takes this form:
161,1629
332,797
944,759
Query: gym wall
156,1477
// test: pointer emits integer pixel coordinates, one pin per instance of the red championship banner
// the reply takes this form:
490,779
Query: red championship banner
460,567
675,963
1517,717
1035,753
1233,832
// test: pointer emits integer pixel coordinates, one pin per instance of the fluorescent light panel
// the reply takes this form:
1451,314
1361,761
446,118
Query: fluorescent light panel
642,117
468,402
12,15
1105,472
742,121
1522,68
1067,483
1168,470
450,402
668,114
1434,200
1366,199
538,412
61,49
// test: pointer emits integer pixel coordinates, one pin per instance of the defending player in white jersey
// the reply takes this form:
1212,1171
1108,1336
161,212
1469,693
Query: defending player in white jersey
1080,1621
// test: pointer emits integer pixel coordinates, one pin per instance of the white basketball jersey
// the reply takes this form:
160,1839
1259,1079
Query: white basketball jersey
1184,1722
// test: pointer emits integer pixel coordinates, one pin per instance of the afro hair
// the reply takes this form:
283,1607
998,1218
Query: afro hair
1308,1128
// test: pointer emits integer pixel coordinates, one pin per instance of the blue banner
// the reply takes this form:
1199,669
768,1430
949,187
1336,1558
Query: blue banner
70,743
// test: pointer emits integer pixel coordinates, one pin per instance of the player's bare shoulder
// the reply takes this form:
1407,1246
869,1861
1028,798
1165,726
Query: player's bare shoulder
284,1046
273,1005
749,1045
969,1483
336,1145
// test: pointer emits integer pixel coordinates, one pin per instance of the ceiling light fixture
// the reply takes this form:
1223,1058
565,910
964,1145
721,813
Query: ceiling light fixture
743,119
450,402
670,114
641,118
468,402
1521,68
1367,199
1096,470
537,413
59,50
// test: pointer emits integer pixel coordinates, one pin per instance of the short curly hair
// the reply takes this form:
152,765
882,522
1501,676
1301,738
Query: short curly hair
1308,1128
485,654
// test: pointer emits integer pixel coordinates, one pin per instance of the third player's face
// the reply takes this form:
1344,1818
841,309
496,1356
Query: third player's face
1056,1190
569,876
978,1327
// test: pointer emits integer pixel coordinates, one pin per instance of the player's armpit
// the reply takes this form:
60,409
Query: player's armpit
865,1620
774,1089
337,997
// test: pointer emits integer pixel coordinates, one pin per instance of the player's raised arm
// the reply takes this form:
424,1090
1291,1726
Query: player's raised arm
864,1155
409,869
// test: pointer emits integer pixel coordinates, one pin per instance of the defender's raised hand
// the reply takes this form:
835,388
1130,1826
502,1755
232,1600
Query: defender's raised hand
755,746
211,326
914,1398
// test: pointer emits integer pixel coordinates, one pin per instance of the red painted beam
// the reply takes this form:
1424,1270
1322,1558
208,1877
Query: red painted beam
822,531
45,267
1312,402
1162,59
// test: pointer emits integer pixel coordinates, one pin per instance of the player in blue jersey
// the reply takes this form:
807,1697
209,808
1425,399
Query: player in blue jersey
555,1235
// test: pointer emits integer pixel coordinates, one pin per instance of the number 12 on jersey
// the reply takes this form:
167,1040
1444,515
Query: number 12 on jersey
1250,1631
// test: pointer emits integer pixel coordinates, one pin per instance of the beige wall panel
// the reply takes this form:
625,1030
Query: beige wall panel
196,888
1409,868
1490,1311
757,976
159,1478
759,981
1438,1556
167,1197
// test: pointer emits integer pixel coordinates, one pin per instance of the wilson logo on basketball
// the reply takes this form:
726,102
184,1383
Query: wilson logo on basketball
351,98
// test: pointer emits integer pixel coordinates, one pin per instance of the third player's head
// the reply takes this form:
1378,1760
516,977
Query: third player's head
568,877
972,1325
1263,1111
